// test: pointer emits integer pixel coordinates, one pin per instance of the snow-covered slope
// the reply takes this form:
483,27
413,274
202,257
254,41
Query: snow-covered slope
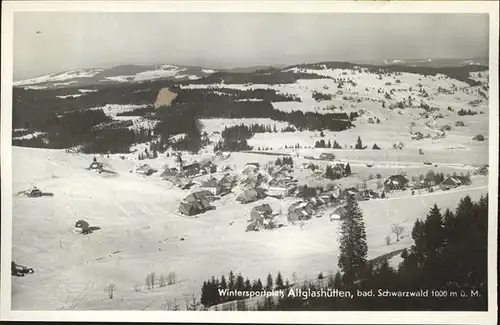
119,74
141,232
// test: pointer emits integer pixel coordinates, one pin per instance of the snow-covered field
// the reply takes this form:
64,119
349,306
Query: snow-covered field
141,232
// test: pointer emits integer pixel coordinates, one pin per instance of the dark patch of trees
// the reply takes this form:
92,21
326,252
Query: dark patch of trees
284,161
463,112
212,288
318,96
449,255
138,111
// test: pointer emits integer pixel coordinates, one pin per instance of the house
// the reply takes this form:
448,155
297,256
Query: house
370,194
256,165
251,195
193,208
145,170
170,174
202,195
300,211
424,183
280,187
261,212
84,228
226,184
454,181
327,156
340,169
351,191
192,169
327,197
212,185
196,203
417,136
283,170
339,214
96,166
395,182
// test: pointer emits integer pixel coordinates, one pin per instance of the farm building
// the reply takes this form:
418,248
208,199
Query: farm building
96,166
454,181
339,214
424,183
254,164
395,182
193,208
196,203
251,195
300,211
328,197
417,136
280,188
145,170
261,212
170,174
351,191
192,169
340,169
83,227
212,185
226,183
316,201
327,156
283,170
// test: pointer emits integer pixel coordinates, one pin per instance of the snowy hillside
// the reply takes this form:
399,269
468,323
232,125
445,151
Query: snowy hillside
141,232
119,74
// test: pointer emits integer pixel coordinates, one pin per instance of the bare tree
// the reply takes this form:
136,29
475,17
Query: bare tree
111,288
295,278
153,279
397,230
162,281
171,278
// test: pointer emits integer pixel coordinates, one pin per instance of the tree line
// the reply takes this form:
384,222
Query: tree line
210,294
449,256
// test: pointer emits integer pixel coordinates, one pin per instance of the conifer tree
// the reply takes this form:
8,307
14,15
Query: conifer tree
348,169
359,144
204,299
240,282
269,283
257,285
279,281
433,228
223,283
353,247
231,281
248,285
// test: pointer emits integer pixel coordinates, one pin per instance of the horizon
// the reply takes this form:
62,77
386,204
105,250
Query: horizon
263,65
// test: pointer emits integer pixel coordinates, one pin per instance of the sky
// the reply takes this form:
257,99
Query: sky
51,42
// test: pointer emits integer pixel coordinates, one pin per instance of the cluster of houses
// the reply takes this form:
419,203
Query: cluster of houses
400,182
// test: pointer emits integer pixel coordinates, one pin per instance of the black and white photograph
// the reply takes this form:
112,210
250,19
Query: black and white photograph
181,159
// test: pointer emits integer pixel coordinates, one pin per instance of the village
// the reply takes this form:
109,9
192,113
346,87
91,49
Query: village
284,181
